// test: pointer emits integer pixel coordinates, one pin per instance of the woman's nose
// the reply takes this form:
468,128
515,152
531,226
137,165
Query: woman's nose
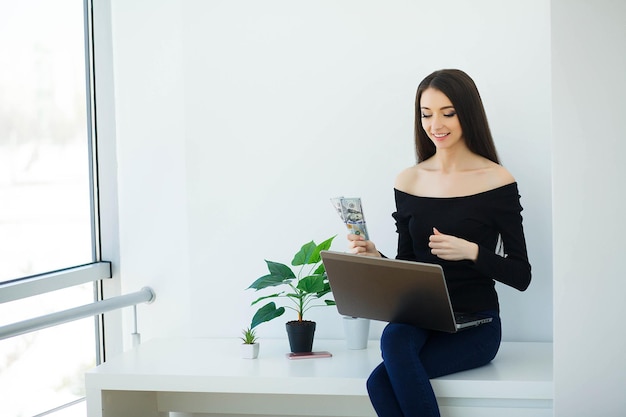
436,121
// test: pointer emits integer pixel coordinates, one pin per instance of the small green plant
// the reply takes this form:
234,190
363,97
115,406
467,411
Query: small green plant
249,336
303,289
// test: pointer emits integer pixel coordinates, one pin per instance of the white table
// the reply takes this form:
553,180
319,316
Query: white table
208,376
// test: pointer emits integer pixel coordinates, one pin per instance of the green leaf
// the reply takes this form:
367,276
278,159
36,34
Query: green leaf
311,284
325,245
267,281
265,297
266,313
325,291
330,302
280,270
304,254
320,270
310,252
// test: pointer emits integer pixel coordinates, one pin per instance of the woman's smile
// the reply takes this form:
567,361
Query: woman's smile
440,136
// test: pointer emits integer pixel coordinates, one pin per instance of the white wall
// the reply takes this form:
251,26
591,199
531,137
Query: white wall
238,120
151,162
589,146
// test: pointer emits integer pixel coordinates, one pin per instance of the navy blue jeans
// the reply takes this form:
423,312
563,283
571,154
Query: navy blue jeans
400,385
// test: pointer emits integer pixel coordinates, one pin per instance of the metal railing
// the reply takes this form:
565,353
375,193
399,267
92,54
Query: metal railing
55,280
145,295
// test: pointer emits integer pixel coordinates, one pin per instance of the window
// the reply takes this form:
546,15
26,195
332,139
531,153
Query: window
47,216
45,219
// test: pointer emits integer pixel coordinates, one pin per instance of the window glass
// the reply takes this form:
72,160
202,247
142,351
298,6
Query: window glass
45,213
48,365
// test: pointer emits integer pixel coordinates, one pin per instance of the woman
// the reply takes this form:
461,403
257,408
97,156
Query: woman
460,208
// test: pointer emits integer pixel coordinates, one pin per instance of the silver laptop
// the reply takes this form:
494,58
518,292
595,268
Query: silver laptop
394,291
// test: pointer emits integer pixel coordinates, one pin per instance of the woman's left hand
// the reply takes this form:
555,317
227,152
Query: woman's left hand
452,248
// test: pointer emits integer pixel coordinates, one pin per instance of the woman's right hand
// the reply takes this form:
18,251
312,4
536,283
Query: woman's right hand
359,246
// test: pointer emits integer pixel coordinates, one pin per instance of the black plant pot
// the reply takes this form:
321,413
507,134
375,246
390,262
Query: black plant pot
300,334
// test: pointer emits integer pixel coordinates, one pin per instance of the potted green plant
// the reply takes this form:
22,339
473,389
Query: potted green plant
250,345
303,288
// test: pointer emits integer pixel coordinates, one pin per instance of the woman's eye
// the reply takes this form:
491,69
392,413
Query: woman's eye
450,114
424,116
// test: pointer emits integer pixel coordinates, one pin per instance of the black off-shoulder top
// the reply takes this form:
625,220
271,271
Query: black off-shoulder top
480,218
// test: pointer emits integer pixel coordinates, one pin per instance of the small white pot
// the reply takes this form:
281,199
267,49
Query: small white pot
357,332
249,351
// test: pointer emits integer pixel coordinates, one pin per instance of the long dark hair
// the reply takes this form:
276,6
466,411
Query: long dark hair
462,92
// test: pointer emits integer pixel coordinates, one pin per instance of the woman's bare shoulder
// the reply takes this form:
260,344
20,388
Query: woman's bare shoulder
406,178
500,176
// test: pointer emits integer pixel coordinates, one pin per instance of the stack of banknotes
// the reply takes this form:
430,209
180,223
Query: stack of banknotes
351,212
